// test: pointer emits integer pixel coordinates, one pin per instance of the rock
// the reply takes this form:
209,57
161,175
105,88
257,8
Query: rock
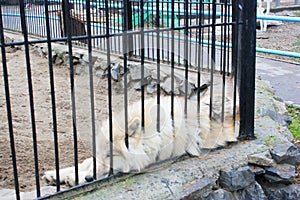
77,61
100,64
135,72
138,84
285,132
201,189
286,153
284,120
253,191
236,180
78,54
40,51
283,173
190,88
66,59
221,194
115,71
256,170
261,159
78,69
58,60
85,58
151,88
287,193
281,191
166,86
163,75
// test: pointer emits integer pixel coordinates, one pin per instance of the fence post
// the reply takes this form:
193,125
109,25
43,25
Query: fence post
129,28
63,19
246,69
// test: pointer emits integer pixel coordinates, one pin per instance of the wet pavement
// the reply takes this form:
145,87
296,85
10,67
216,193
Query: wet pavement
283,77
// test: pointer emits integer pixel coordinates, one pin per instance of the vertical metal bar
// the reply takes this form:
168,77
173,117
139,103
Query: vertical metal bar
229,35
142,63
125,53
92,98
158,66
172,56
213,57
31,99
8,108
209,35
247,71
200,54
148,36
186,32
52,88
162,22
179,42
197,4
114,28
234,54
190,34
72,84
225,16
202,35
63,17
168,40
129,25
153,19
223,35
107,34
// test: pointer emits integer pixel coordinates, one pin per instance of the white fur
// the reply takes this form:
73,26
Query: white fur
147,146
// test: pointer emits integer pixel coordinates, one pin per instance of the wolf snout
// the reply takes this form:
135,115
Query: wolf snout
89,178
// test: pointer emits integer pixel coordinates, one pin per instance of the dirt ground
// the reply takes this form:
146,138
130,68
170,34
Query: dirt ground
285,36
281,37
22,122
22,128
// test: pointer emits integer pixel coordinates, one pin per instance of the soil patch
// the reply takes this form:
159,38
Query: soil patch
285,37
21,117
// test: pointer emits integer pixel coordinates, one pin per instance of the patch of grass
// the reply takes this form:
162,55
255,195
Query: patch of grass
297,14
129,182
297,43
270,141
294,127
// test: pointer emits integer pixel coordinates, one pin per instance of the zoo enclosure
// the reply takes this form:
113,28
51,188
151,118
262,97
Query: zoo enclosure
217,37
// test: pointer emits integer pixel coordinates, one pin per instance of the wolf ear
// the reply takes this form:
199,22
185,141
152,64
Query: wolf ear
133,127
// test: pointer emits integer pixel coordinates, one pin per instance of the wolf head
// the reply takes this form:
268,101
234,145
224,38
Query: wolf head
147,144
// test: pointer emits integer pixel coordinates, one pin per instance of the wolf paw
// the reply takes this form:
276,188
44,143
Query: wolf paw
70,181
49,177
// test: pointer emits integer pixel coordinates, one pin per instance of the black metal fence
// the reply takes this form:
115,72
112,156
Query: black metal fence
211,38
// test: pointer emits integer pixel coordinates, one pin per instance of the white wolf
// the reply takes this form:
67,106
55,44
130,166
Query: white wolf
184,134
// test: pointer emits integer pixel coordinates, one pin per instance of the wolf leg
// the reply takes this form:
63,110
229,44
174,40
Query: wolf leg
67,175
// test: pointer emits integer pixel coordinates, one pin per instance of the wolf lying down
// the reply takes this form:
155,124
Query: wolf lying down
183,135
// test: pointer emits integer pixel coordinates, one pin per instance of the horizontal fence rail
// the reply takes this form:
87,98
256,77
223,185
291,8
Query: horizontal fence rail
74,72
35,16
